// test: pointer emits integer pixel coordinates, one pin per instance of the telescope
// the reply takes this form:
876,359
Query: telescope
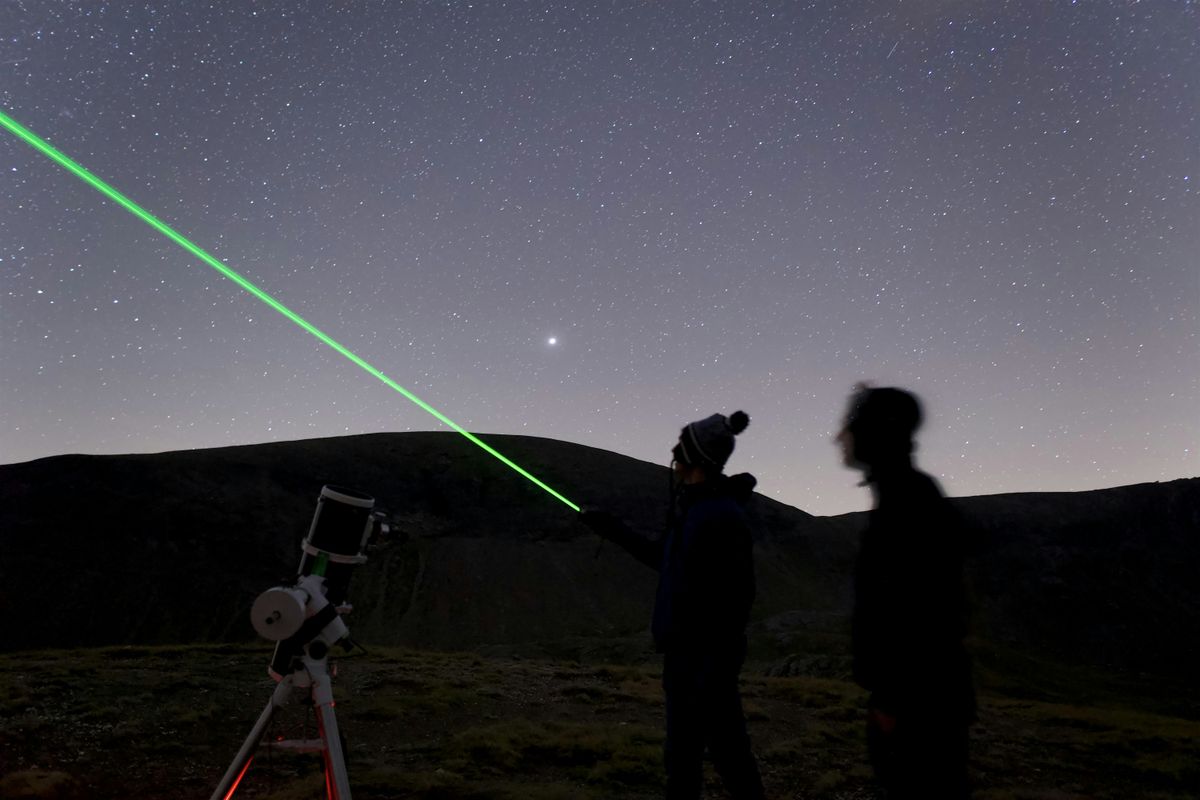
305,621
307,615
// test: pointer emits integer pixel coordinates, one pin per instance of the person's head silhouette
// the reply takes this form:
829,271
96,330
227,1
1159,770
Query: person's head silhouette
878,427
705,445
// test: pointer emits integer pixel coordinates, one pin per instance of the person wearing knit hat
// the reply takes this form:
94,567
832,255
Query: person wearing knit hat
705,563
910,606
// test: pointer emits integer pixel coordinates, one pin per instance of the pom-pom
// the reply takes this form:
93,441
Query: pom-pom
738,421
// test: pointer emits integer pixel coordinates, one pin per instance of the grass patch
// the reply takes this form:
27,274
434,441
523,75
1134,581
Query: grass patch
461,727
597,753
15,697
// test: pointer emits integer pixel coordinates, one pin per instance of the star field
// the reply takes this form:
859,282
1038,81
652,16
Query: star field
597,223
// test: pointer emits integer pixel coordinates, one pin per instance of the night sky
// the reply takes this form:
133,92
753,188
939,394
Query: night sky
598,221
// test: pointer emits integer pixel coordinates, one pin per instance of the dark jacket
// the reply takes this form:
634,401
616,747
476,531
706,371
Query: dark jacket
910,599
705,564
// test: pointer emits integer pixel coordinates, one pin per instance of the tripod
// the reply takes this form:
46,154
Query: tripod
312,673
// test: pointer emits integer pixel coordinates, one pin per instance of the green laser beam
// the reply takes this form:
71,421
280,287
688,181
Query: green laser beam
78,171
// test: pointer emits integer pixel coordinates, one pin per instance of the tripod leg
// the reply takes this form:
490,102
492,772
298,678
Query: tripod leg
241,762
337,782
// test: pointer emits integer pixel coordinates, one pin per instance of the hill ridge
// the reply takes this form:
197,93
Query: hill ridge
172,548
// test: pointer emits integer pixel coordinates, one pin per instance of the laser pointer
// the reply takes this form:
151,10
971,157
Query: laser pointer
44,147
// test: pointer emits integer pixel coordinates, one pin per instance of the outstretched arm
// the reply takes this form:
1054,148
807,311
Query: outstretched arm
648,551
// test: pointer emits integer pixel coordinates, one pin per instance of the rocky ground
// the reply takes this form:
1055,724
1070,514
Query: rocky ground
155,722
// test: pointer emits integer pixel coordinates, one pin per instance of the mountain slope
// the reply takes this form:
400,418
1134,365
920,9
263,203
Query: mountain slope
173,547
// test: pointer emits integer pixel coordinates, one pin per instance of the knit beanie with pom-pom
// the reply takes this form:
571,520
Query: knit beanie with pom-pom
709,442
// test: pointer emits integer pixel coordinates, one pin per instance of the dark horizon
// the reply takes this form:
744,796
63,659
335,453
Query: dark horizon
503,475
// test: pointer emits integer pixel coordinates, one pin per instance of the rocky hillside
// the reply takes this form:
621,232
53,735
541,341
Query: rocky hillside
173,548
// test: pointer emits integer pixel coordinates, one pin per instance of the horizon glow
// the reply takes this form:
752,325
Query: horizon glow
44,147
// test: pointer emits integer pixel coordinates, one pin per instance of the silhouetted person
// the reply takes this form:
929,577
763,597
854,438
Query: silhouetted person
910,607
705,591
